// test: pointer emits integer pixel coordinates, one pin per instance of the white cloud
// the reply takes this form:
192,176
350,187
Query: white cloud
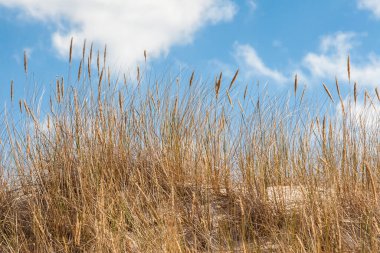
331,61
128,27
253,65
371,5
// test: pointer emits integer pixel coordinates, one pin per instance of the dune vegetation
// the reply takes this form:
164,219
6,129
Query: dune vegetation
177,164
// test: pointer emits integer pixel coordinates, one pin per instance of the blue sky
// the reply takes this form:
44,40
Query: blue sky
268,40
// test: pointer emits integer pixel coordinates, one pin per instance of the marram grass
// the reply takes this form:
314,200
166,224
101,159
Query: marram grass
187,166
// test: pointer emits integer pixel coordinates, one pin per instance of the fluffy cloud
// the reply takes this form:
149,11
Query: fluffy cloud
128,27
331,60
371,5
253,65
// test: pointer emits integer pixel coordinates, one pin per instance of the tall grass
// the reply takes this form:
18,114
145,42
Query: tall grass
181,165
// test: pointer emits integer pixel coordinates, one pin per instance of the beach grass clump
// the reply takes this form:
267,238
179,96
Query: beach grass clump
182,165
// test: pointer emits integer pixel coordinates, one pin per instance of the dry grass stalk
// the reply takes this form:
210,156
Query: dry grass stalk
11,90
62,86
98,62
233,79
138,74
58,92
245,91
71,50
355,92
370,99
180,172
295,84
229,98
25,63
109,77
218,83
191,79
340,97
20,105
90,54
328,92
377,94
83,49
80,70
348,68
89,67
104,55
371,179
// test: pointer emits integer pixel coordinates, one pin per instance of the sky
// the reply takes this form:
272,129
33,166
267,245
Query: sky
267,40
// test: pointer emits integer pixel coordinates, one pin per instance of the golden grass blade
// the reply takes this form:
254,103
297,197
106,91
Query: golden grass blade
11,90
355,92
245,91
90,55
25,63
366,94
80,70
71,50
58,92
20,105
84,49
191,79
105,55
348,69
377,94
328,92
229,98
233,79
217,84
89,67
138,74
98,63
371,180
62,87
340,97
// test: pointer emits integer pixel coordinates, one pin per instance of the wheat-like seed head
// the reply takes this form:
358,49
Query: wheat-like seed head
20,105
105,55
217,84
340,97
348,68
191,79
233,79
12,90
229,98
71,50
62,87
84,49
80,70
328,92
245,91
89,67
58,92
98,62
90,55
25,63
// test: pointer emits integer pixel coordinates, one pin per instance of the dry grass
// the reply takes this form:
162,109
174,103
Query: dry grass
150,166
